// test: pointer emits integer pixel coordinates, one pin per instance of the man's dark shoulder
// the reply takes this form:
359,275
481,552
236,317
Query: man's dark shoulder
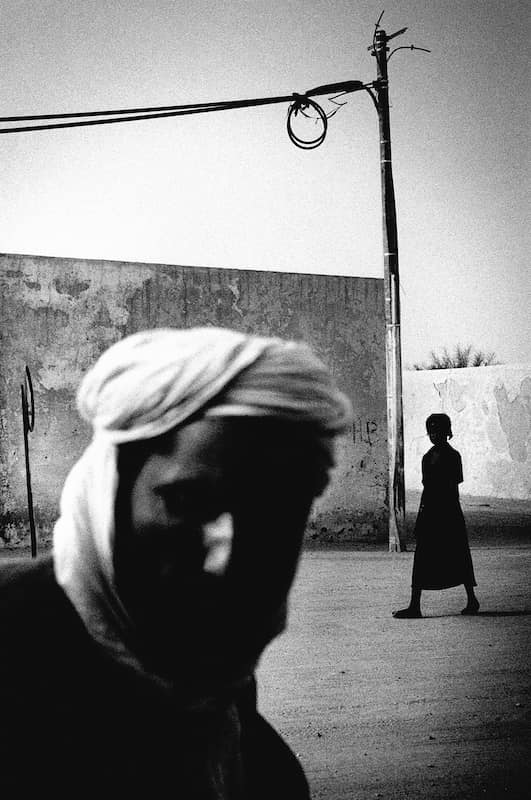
272,769
22,581
15,569
32,604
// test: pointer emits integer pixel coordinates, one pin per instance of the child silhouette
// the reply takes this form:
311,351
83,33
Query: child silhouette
442,554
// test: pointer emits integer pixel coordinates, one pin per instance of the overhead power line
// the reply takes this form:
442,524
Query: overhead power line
298,103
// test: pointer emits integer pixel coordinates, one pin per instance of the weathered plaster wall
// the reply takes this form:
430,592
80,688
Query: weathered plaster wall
490,409
58,315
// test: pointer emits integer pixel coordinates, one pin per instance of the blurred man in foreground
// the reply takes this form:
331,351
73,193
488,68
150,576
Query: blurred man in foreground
127,658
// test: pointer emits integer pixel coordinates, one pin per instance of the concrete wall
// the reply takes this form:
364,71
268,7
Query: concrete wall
490,409
58,315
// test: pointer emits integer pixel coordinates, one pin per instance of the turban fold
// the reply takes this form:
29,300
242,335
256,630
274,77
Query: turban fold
142,387
152,381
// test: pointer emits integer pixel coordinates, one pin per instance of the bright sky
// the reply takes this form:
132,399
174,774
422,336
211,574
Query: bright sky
229,189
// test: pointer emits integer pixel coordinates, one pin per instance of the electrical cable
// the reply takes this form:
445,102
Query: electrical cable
407,47
298,103
177,111
192,108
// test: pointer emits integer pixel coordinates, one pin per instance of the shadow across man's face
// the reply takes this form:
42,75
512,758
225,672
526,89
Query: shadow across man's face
243,486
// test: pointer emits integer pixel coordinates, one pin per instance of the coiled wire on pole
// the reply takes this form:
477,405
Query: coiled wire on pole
300,103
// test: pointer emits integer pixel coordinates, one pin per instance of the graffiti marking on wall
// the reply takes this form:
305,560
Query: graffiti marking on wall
364,431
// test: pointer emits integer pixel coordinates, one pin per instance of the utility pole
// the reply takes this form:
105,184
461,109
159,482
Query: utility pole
395,423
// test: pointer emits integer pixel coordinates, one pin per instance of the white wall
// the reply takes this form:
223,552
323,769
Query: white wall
490,409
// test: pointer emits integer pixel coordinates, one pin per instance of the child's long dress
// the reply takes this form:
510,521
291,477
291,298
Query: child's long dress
442,555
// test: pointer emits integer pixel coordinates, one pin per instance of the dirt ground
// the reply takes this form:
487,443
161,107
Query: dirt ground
437,708
381,708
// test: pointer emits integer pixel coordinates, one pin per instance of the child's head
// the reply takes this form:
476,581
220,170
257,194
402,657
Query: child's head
439,428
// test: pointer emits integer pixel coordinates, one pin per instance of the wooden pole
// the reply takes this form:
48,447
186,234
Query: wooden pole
395,425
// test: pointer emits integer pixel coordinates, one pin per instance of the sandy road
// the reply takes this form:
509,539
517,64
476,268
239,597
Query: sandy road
383,708
412,709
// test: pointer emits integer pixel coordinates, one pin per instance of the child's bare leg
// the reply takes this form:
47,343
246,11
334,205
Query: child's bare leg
472,606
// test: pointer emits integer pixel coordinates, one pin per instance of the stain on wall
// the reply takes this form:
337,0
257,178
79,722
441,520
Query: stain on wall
490,409
515,420
58,315
452,394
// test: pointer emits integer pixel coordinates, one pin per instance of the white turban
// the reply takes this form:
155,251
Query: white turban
152,381
142,387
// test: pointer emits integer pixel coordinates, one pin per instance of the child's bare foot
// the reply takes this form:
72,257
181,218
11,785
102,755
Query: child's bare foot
471,608
407,613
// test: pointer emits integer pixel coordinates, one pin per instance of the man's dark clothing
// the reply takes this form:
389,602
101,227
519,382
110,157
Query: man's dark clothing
74,723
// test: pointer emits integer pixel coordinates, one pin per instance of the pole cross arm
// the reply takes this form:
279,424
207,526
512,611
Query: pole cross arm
332,88
396,33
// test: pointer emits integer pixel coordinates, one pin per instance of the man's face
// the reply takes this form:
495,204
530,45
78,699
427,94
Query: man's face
210,519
